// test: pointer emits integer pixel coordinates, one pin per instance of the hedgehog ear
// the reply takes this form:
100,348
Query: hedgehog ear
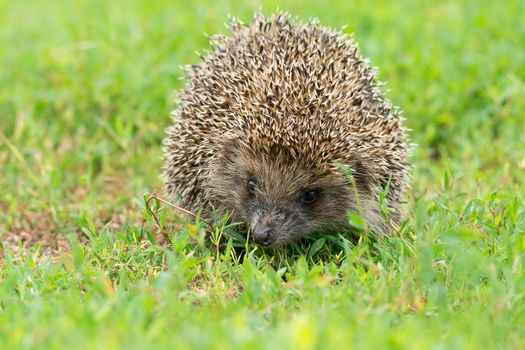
360,173
229,152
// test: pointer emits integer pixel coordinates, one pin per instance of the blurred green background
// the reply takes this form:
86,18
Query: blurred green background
86,88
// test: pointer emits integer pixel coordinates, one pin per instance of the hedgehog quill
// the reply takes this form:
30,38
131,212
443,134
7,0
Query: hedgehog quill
265,122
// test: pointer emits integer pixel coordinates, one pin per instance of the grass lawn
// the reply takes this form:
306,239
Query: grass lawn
86,88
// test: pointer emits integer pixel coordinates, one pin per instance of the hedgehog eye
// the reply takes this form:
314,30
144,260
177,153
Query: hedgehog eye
252,185
310,196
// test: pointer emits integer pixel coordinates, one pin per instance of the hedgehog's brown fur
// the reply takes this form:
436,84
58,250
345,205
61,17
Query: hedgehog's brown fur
268,117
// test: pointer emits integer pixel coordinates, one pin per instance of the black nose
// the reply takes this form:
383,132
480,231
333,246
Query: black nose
264,236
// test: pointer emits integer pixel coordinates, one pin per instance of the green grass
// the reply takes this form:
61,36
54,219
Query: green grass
85,92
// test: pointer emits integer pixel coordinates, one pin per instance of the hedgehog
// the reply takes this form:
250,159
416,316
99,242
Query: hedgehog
283,126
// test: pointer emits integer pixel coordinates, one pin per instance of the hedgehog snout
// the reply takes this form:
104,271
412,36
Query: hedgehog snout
263,229
264,235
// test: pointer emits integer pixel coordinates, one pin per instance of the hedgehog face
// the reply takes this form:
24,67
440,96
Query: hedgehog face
279,207
280,198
